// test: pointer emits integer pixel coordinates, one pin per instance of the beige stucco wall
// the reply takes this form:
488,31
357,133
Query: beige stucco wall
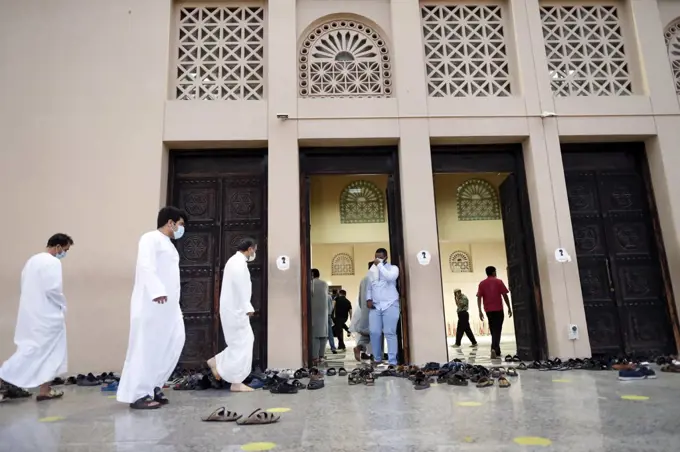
86,115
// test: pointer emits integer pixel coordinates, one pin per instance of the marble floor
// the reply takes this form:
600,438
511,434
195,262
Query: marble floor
553,411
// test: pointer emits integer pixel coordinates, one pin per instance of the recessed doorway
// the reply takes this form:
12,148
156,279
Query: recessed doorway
483,220
350,208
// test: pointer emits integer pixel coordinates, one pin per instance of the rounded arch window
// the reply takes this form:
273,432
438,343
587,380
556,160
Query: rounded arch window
460,262
672,37
342,265
362,202
344,58
477,199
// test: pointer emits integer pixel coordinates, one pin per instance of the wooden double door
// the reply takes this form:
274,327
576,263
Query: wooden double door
224,194
624,279
520,250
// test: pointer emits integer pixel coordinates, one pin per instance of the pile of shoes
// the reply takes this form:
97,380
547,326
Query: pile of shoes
636,371
364,375
288,382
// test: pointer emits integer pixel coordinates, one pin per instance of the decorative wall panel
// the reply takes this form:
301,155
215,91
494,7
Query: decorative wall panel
460,262
477,200
344,58
585,50
672,36
220,53
465,51
342,265
362,202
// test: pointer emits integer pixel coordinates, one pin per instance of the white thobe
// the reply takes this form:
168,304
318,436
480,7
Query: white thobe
40,333
235,362
156,330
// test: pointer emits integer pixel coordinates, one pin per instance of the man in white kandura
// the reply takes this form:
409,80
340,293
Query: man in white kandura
235,362
40,333
156,323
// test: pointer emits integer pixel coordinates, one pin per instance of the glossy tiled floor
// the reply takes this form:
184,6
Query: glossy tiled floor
571,411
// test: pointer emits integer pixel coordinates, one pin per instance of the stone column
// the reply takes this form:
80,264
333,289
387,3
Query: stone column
284,307
662,150
424,296
560,284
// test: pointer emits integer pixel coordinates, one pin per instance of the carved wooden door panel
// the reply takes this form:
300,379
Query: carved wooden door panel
243,212
199,266
619,267
520,280
594,266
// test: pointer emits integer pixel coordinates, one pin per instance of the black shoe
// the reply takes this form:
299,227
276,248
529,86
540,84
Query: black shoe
335,352
159,397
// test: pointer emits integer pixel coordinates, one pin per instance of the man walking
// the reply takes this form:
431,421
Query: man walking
382,298
492,291
463,319
156,322
40,334
319,317
342,311
362,329
235,362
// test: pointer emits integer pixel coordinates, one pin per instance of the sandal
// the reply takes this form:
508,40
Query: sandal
421,383
301,373
508,358
159,397
457,380
53,394
89,380
503,383
145,403
222,415
316,383
369,379
71,381
259,417
522,366
511,372
331,372
111,387
284,388
342,372
484,382
57,382
354,378
298,384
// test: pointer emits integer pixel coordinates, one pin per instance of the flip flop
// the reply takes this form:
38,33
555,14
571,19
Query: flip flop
342,372
421,383
222,415
457,380
331,372
145,403
316,383
511,372
53,394
301,373
259,417
298,384
484,382
503,383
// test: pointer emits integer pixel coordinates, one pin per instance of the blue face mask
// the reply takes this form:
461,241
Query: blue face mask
179,232
60,255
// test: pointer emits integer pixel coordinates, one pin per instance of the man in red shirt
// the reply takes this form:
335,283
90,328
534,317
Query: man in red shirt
491,290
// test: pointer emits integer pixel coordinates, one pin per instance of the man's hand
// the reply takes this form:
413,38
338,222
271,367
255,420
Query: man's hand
376,261
481,316
369,304
160,300
509,312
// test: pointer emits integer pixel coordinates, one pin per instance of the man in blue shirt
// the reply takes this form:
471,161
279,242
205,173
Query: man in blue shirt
382,298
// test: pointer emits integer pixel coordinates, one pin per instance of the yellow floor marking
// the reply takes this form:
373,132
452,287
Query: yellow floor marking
634,397
278,410
111,397
469,404
469,439
258,446
532,441
561,380
51,419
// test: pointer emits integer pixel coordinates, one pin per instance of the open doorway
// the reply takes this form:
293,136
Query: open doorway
350,209
483,221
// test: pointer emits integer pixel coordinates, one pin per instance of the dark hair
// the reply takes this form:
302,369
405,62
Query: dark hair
381,251
315,273
490,271
170,213
370,264
245,243
59,239
334,291
343,292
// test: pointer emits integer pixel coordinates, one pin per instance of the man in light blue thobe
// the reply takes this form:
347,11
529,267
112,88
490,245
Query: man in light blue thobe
382,298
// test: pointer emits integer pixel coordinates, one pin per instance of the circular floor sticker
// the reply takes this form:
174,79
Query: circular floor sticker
258,446
532,441
634,397
469,404
277,410
51,419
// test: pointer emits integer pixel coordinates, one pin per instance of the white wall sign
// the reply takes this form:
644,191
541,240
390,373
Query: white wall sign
424,257
283,263
562,256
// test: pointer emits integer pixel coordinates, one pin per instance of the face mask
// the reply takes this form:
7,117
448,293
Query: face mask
381,260
60,254
252,257
179,232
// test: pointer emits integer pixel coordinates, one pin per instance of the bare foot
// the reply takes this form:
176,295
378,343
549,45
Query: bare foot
213,368
240,387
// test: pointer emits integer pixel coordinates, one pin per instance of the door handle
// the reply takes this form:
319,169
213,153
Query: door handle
609,275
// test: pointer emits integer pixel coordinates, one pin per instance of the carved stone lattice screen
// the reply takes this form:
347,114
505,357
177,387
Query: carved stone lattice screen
344,58
342,265
460,262
465,51
585,50
672,37
220,53
477,200
362,202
